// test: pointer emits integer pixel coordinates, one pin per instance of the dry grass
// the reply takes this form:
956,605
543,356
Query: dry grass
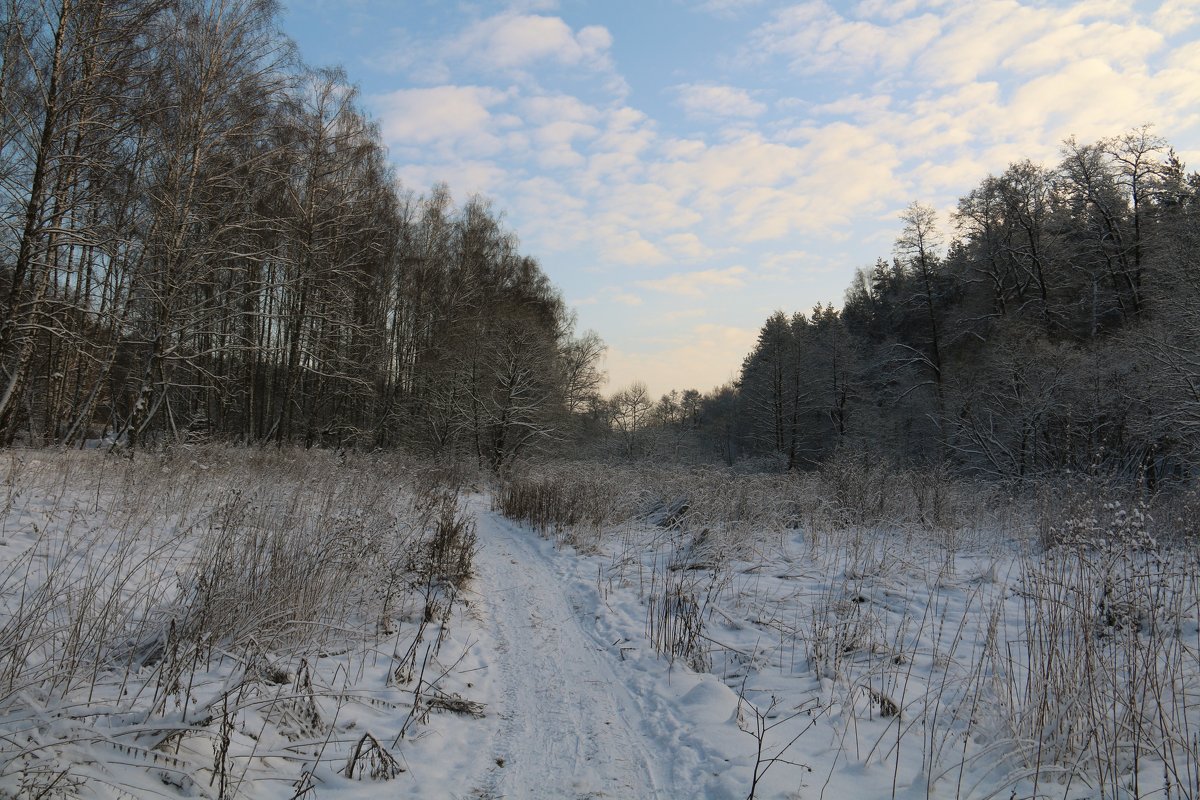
155,609
978,643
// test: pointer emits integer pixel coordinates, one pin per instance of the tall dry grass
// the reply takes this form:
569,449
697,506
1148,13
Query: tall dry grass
151,604
978,640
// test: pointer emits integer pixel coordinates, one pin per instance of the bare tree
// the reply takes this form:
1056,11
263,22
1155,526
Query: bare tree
630,409
73,85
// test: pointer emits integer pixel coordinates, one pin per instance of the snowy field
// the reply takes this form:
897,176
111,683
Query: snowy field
285,624
898,635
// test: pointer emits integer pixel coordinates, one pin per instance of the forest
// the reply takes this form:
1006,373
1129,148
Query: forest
202,236
1052,328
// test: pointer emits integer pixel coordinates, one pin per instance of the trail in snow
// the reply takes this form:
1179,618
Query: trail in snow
577,721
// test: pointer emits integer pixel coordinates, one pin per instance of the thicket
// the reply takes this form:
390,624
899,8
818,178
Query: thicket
974,642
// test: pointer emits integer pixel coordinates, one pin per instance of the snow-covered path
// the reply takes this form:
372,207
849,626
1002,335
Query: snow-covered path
568,724
579,718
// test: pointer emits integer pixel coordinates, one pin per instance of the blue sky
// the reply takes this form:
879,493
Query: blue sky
682,168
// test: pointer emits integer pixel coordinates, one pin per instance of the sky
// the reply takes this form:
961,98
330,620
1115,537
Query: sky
683,168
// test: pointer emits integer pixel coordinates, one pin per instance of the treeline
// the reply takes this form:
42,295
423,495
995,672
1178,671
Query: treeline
200,236
1056,327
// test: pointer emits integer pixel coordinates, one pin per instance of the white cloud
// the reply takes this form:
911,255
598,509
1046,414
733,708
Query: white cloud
702,357
619,153
627,299
815,38
1112,41
696,284
544,109
886,9
557,218
866,107
726,8
513,41
464,178
749,160
688,247
1002,80
514,45
442,114
628,247
713,100
684,313
938,95
532,5
648,207
760,213
975,38
958,44
1176,16
555,143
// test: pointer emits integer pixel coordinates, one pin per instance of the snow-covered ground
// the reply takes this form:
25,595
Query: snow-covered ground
229,625
520,683
585,707
988,653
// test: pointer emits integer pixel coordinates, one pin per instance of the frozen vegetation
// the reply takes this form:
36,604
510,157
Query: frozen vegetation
225,624
245,623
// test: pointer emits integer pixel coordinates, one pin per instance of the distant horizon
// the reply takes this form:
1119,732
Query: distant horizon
682,171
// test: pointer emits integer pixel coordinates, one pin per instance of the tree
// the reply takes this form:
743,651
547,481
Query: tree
1098,235
581,378
198,233
1140,169
834,374
721,424
74,89
770,388
630,414
1057,331
917,251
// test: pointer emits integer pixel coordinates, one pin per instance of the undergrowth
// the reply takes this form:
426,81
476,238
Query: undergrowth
177,621
972,640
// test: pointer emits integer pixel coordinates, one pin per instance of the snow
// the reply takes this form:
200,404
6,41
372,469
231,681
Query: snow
571,700
586,708
651,658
